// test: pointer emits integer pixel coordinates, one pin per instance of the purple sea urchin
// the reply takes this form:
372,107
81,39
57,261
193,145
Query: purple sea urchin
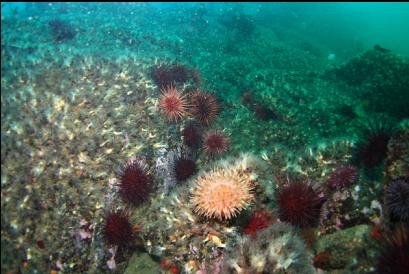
165,75
117,229
204,107
394,255
192,136
136,182
372,148
184,168
343,176
397,199
299,204
182,165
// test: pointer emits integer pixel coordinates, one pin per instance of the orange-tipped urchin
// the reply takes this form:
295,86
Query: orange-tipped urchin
173,103
224,192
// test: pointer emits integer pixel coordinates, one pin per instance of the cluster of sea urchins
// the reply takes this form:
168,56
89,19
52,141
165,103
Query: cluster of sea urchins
135,186
225,191
213,142
203,106
136,180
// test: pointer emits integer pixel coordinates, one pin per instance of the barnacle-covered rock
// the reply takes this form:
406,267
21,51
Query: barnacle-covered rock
277,249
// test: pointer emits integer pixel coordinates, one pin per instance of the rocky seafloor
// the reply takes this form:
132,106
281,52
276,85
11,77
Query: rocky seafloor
81,101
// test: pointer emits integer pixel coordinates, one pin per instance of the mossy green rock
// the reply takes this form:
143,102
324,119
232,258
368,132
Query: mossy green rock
343,246
142,263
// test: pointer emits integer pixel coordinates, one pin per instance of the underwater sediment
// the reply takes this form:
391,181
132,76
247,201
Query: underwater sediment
130,144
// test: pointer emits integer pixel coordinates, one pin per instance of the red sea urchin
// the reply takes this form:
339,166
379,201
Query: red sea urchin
117,229
215,143
204,107
259,220
397,199
343,176
173,103
394,255
299,204
136,182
